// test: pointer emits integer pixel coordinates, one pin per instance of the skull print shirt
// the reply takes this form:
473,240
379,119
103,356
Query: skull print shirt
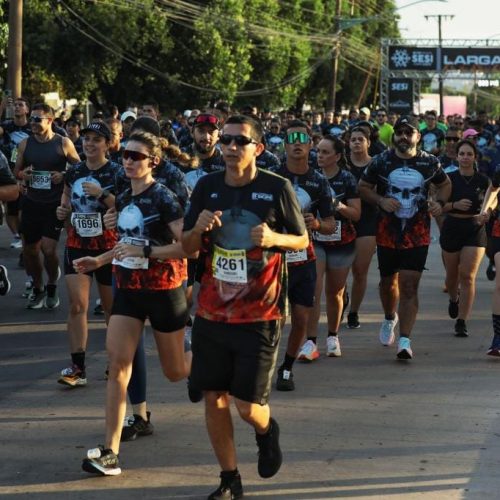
407,181
242,283
144,218
86,230
314,195
343,187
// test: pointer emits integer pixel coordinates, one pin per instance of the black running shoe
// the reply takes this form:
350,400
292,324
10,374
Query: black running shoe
230,487
101,461
453,309
491,271
353,320
136,427
270,456
285,382
461,328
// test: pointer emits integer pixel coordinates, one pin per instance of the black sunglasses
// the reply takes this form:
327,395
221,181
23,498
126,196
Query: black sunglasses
135,155
37,119
452,139
240,140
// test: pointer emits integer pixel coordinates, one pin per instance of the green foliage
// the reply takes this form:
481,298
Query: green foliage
271,53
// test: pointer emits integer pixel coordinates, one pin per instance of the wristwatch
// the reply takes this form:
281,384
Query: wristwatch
146,250
105,193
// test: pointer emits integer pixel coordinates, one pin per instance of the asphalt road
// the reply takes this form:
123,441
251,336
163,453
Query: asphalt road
361,426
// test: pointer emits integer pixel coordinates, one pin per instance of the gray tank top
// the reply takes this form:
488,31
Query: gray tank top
44,157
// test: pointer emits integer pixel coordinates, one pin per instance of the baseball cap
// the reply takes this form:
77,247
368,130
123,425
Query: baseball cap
470,132
99,128
128,114
187,113
365,111
206,119
408,121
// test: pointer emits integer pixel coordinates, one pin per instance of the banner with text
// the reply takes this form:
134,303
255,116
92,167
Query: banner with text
401,95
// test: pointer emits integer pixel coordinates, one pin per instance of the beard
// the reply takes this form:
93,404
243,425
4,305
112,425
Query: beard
403,146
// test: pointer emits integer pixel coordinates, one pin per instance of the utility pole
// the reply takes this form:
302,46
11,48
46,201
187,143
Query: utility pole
439,18
15,47
330,104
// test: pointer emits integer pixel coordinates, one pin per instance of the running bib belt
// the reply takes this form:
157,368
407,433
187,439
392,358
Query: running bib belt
40,179
296,256
335,236
229,265
133,262
87,225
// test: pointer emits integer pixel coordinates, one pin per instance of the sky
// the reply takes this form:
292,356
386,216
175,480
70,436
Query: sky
474,19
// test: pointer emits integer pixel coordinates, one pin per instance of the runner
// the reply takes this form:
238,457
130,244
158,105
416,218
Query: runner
238,219
463,240
366,226
432,135
149,270
315,199
88,193
402,176
8,192
334,252
41,162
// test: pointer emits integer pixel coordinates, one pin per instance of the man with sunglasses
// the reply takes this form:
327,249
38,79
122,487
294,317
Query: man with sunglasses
432,135
401,176
241,220
314,195
41,163
448,159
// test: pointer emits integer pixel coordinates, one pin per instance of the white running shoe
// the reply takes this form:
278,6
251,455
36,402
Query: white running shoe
404,349
387,328
309,351
333,347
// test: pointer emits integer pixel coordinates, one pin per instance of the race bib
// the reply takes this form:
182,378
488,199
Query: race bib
133,262
87,225
40,179
335,236
229,265
296,256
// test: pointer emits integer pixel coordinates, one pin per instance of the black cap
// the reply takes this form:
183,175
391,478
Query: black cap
408,121
206,119
99,128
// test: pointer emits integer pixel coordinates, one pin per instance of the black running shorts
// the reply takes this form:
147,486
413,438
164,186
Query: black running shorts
38,220
457,233
103,275
391,260
166,309
235,358
302,284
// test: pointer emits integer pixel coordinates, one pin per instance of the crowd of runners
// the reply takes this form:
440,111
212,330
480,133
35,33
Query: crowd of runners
252,217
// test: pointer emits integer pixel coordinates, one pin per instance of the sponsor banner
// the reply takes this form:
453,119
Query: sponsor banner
401,95
486,58
412,58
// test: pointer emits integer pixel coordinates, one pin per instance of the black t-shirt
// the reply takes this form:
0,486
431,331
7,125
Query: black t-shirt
448,164
406,180
314,195
368,211
242,283
343,187
432,139
470,187
145,217
12,135
267,160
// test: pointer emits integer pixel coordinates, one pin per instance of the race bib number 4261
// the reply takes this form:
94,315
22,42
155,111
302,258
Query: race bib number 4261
229,265
40,179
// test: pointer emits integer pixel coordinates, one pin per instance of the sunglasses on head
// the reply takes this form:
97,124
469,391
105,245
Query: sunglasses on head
206,119
135,155
240,140
37,119
301,137
452,139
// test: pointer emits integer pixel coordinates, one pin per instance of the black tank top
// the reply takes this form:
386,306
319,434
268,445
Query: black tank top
45,157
